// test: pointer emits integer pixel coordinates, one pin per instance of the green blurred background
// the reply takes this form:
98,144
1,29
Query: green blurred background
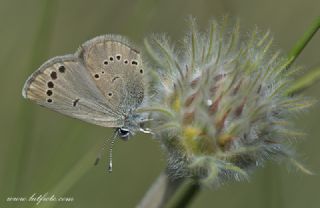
42,151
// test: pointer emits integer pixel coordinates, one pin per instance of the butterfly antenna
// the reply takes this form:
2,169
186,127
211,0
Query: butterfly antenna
112,140
110,151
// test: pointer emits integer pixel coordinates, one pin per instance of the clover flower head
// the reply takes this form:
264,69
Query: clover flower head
220,106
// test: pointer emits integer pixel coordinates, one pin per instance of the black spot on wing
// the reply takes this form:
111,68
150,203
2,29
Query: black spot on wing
75,102
114,78
62,69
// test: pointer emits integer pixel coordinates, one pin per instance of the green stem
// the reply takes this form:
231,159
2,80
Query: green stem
305,81
160,192
185,198
166,192
301,44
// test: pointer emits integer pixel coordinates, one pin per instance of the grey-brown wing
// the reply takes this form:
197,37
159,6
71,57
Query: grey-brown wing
63,84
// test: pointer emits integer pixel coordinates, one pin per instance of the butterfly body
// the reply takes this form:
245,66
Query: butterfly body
102,83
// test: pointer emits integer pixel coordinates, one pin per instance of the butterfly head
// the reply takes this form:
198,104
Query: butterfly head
133,123
123,133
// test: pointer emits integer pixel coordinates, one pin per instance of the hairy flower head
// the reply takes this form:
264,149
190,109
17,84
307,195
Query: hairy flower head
220,105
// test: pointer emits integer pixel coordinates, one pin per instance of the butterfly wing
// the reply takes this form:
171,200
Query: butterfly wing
117,70
63,84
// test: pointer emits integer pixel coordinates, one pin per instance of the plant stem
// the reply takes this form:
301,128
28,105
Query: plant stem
301,44
160,192
305,81
166,192
188,194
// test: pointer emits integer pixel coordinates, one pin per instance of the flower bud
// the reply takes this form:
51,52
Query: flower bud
220,106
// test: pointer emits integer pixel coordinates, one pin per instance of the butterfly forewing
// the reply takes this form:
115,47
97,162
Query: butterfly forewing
63,84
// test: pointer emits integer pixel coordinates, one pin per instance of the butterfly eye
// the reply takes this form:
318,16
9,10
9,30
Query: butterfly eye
123,133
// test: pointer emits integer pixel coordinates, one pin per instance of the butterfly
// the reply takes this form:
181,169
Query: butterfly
101,83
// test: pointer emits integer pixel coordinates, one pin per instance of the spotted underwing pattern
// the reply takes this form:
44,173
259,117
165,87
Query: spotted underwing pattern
101,83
